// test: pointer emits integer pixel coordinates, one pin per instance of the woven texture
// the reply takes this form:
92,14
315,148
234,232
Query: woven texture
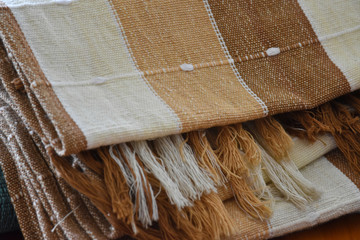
178,119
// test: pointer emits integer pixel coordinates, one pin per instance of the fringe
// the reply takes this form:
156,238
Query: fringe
339,117
96,190
248,146
136,185
236,171
273,137
288,180
182,166
117,188
136,178
157,168
210,216
207,218
207,159
252,154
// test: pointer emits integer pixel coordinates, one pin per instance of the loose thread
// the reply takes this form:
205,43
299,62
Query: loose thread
63,219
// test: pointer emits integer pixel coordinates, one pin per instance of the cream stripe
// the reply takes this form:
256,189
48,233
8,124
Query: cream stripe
231,60
340,20
81,41
339,196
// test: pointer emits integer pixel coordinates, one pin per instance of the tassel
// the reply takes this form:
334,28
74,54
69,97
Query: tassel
92,161
157,168
182,167
117,187
96,190
345,127
353,100
206,219
248,145
303,125
273,137
140,189
252,154
210,215
335,118
288,180
206,156
237,173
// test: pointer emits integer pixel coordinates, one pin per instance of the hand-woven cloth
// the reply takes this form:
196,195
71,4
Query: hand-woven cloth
179,119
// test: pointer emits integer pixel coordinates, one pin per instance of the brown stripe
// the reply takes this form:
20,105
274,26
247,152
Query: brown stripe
166,34
301,76
72,138
339,161
25,213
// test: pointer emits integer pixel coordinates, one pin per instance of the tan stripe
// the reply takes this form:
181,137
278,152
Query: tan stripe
17,46
249,228
166,34
301,76
339,161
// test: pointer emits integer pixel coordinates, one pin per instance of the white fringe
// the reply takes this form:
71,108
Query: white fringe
214,163
136,183
262,191
185,172
157,168
288,180
144,215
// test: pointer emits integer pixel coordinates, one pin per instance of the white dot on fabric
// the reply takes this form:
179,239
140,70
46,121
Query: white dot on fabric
187,67
273,51
64,2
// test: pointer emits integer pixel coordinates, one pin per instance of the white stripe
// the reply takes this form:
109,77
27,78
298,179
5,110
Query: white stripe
337,25
82,43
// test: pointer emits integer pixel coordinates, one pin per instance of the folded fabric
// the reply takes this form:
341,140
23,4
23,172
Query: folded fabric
179,119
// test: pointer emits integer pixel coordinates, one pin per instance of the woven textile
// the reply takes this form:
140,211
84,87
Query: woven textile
179,119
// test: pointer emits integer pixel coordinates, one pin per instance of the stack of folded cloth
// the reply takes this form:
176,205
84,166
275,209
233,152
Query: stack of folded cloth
179,119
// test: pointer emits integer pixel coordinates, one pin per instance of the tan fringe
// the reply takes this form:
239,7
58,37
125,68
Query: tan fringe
137,179
236,170
117,188
206,219
228,151
248,145
96,190
252,153
273,137
210,216
92,161
206,156
303,125
353,100
345,127
334,117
